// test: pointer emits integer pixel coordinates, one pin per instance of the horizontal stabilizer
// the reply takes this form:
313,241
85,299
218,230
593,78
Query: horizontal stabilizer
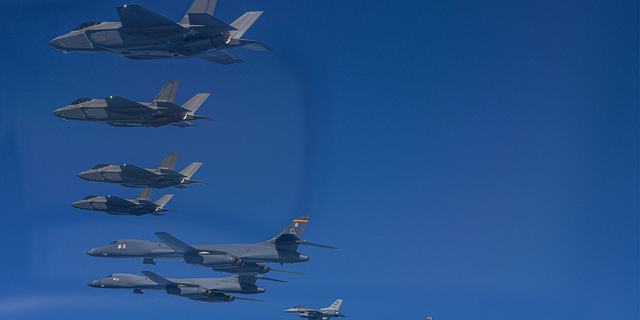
285,271
196,117
145,194
244,23
249,44
249,299
220,56
306,243
194,103
183,124
158,279
181,186
169,162
203,19
191,169
138,17
259,277
175,244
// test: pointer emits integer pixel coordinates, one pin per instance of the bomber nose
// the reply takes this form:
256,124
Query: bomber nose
303,258
94,283
90,252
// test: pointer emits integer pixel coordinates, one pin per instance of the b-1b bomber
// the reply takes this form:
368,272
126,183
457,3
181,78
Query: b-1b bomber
228,258
132,207
132,176
142,34
121,112
198,289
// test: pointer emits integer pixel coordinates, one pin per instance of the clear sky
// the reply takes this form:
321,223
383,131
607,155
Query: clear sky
470,159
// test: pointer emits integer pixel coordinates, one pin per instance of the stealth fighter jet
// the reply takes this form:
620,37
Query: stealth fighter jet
121,112
317,314
198,289
132,176
229,258
145,35
118,206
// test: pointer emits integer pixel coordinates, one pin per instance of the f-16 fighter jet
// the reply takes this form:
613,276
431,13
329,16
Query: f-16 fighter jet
132,176
317,314
120,112
118,206
229,258
198,289
145,35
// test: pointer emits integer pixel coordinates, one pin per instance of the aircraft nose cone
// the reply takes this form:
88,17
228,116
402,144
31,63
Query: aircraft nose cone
304,258
94,284
90,176
260,290
90,252
81,205
69,112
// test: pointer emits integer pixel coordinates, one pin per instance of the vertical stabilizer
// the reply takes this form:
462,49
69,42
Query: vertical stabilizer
145,194
200,6
243,23
293,231
335,306
167,93
163,201
169,162
195,102
191,169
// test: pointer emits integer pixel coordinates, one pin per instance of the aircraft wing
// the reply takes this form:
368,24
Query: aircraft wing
220,56
175,243
183,124
120,103
138,17
113,200
133,169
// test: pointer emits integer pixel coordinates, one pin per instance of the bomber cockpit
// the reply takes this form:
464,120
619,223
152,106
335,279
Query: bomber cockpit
89,197
88,24
114,242
81,100
100,166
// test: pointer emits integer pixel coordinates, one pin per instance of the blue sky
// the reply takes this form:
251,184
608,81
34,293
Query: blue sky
469,159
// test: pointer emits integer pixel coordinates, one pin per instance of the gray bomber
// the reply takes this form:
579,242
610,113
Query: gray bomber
121,112
198,289
142,34
317,314
229,258
132,207
132,176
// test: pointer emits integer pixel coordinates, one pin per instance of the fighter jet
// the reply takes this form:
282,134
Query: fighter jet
317,314
132,176
198,289
145,35
118,206
229,258
121,112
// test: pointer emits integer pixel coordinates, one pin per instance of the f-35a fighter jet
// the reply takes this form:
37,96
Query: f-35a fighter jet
118,206
132,176
198,289
317,314
121,112
145,35
229,258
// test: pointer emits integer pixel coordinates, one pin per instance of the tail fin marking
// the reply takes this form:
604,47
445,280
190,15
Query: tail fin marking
169,162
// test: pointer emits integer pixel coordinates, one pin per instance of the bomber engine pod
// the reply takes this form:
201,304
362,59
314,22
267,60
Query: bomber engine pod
212,259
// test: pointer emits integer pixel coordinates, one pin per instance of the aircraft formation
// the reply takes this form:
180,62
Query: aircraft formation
142,34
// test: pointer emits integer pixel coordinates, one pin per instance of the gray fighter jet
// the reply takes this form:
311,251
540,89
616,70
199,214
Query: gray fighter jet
317,314
198,289
118,206
132,176
145,35
121,112
229,258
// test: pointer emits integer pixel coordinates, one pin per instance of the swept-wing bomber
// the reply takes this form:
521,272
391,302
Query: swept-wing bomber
143,34
229,258
118,206
121,112
132,176
198,289
318,314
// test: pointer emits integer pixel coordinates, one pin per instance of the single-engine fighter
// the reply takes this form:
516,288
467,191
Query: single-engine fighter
317,314
198,289
229,258
142,34
132,207
132,176
121,112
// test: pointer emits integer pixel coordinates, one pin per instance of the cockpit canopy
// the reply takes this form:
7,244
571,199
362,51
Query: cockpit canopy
100,166
114,242
81,100
89,197
87,25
